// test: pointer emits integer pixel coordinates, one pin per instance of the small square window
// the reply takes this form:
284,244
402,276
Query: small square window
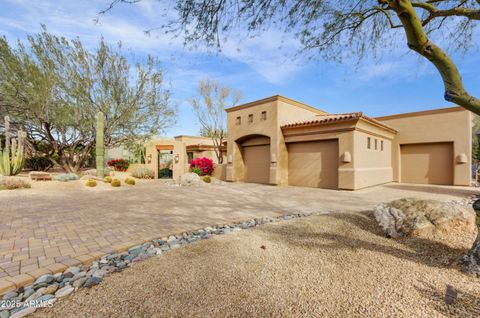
250,118
264,115
376,142
381,145
369,142
239,120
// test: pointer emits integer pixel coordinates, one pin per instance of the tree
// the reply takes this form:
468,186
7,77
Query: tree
209,108
335,29
52,88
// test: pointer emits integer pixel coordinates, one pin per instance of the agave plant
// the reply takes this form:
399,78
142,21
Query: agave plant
12,157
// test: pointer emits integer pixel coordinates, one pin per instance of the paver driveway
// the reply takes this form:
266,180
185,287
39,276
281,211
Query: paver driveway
55,225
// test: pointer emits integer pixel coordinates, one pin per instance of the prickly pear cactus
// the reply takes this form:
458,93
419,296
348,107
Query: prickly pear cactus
100,147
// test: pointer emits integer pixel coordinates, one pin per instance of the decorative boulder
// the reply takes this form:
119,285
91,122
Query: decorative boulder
425,218
190,179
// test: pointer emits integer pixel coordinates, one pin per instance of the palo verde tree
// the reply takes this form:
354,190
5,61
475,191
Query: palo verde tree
209,107
335,29
52,88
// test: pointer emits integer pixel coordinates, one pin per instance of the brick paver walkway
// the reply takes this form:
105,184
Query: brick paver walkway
52,226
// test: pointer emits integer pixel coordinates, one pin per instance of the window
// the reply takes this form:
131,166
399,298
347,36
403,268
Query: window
264,115
376,142
239,120
381,145
189,156
369,142
250,118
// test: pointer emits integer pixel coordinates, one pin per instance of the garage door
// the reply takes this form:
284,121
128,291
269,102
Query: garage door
313,164
429,163
257,163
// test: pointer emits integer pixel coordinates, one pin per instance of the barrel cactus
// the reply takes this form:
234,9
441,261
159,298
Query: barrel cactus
12,155
107,179
115,183
130,181
91,183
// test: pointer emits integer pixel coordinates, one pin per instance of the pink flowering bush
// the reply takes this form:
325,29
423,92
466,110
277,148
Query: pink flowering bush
202,166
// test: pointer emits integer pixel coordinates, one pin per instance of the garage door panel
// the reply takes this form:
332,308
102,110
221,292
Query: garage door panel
427,163
257,163
313,164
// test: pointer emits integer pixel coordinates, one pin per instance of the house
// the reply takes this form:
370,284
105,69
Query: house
280,141
170,157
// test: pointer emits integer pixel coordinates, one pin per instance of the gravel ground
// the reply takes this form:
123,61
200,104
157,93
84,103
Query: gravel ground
333,265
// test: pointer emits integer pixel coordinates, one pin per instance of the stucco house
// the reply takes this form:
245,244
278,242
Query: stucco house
280,141
170,157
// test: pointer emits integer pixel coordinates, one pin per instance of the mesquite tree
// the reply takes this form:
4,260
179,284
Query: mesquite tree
335,29
209,107
52,88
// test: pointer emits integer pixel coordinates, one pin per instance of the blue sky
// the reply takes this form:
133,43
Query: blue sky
259,67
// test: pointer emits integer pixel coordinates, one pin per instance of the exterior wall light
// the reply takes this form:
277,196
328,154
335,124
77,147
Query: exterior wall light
273,158
176,158
462,158
347,157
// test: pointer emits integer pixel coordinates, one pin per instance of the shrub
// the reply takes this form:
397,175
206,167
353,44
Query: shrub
38,163
11,183
165,173
107,179
202,166
65,177
115,183
130,181
118,164
91,183
207,179
142,172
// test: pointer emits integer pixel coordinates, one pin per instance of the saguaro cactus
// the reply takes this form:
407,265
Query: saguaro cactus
99,142
12,157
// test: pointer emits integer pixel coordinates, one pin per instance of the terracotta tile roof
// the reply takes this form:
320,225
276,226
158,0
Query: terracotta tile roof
332,118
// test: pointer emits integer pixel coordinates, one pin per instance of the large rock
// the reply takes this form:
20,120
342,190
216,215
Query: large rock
190,179
425,218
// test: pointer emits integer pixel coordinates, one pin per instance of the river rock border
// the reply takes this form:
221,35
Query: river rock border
48,288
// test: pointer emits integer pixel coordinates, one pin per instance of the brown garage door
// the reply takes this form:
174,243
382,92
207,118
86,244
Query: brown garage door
257,163
313,164
429,163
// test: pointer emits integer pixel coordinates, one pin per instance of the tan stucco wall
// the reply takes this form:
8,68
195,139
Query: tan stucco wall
180,158
442,125
279,111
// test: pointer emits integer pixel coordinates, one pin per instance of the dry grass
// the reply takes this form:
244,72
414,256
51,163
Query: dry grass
12,183
336,265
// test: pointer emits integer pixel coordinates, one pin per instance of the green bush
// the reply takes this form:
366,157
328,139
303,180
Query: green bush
196,170
107,179
130,181
207,179
38,163
115,183
165,173
65,177
142,172
91,183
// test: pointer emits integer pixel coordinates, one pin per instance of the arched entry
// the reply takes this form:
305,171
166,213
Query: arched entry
255,151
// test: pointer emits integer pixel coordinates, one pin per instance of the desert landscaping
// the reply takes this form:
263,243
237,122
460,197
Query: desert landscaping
224,158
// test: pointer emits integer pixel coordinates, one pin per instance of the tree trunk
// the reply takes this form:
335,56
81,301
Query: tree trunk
471,261
419,42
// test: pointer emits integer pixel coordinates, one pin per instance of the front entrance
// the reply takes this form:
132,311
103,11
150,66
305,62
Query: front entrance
165,164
